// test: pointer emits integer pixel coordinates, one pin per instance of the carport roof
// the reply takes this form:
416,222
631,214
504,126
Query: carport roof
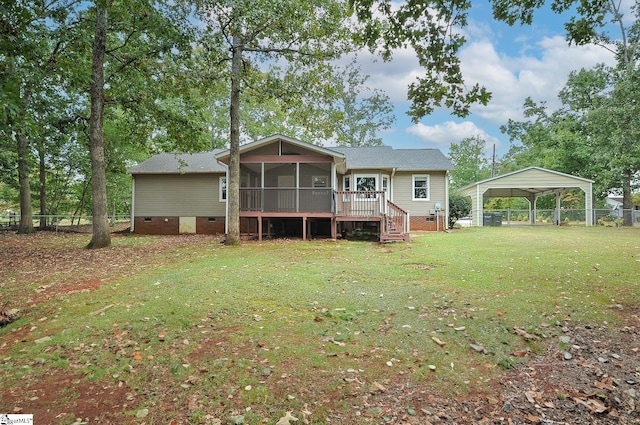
526,182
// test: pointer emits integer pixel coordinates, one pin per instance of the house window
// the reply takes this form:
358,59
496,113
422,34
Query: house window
223,189
420,188
385,186
366,183
346,183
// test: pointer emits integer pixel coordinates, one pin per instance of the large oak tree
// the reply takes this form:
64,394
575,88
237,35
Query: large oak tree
290,41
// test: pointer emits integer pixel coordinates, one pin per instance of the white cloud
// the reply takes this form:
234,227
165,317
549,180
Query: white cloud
512,63
538,73
392,77
442,135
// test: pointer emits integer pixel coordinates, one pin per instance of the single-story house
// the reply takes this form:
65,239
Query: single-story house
292,188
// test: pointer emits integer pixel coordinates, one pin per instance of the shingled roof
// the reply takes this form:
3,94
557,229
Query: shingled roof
385,157
357,158
180,163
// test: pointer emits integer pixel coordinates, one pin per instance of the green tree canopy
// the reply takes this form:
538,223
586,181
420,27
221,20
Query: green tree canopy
471,164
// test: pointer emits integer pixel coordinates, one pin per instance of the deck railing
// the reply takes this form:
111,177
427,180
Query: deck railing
360,203
397,219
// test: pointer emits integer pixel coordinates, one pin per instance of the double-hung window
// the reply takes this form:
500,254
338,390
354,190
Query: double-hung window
366,183
421,187
222,196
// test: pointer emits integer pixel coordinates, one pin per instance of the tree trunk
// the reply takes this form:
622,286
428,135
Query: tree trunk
233,185
26,215
627,213
101,237
43,190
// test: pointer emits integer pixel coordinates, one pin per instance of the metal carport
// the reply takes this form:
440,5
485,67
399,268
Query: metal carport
529,183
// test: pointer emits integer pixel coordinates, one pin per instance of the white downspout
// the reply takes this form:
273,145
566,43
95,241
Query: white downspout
226,205
393,173
133,204
446,200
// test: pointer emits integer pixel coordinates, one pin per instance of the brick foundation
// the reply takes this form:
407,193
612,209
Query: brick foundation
426,223
171,225
210,225
157,226
248,225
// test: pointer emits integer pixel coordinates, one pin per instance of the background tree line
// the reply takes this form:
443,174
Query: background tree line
89,88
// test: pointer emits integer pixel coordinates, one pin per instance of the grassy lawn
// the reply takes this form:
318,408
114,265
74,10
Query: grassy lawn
214,333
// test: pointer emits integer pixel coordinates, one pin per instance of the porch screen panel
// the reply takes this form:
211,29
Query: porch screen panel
315,187
251,192
280,187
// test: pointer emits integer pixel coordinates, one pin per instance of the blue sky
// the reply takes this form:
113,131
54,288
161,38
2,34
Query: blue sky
511,62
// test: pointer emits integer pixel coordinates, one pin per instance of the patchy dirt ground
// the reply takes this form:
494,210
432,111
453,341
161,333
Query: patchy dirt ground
593,379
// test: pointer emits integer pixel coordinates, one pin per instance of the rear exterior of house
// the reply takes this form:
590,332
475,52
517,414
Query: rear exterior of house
178,193
295,189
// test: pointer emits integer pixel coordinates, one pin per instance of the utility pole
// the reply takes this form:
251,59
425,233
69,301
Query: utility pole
493,162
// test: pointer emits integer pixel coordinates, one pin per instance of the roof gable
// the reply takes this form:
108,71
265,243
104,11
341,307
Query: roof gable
278,138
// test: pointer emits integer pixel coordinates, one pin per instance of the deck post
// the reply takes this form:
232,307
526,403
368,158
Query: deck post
260,228
304,228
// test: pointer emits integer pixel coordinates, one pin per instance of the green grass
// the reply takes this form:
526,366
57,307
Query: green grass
294,321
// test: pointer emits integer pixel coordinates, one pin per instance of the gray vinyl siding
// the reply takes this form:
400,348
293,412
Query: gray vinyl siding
402,189
403,192
183,195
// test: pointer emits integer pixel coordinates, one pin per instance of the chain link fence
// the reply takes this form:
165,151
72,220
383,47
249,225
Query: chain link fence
600,217
9,220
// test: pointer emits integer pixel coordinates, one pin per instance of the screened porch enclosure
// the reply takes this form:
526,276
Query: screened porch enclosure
286,188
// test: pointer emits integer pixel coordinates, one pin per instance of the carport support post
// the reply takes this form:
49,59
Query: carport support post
557,209
532,209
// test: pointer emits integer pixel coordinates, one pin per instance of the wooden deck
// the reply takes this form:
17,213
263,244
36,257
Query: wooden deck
372,206
339,206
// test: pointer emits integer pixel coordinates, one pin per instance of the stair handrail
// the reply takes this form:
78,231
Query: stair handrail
395,212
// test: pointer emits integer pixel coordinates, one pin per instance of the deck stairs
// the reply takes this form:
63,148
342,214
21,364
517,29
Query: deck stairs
394,224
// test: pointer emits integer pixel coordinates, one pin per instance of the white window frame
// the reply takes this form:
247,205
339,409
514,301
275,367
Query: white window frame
346,186
346,183
376,178
222,189
386,188
420,177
